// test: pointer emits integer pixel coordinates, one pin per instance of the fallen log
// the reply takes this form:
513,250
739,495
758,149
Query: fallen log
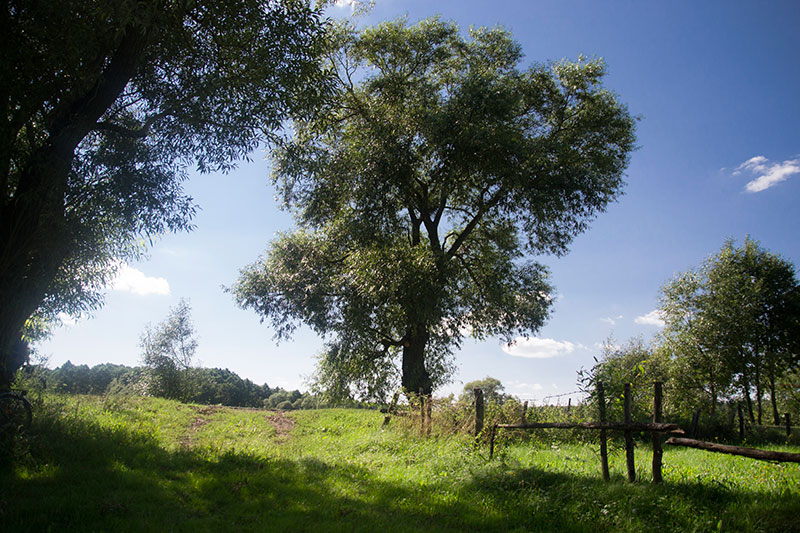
753,453
629,426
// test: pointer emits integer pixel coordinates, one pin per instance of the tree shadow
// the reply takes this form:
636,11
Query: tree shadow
82,477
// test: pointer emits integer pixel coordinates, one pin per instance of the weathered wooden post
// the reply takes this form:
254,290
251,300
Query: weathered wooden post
601,400
390,411
629,435
569,405
788,424
525,412
428,413
421,411
479,412
657,451
741,421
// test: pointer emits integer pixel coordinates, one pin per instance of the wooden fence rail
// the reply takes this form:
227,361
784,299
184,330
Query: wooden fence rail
753,453
656,427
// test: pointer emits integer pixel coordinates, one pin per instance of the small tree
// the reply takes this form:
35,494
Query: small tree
492,390
167,352
634,362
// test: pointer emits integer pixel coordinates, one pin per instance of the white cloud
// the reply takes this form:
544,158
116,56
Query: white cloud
352,4
521,387
653,318
131,280
611,320
536,348
768,174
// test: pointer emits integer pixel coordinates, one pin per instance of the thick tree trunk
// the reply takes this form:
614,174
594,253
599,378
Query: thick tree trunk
415,375
34,233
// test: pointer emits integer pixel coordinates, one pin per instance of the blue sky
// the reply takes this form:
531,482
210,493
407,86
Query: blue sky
715,85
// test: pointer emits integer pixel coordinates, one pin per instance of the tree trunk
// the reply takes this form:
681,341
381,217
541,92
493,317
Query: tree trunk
773,399
713,394
747,398
415,375
758,391
35,238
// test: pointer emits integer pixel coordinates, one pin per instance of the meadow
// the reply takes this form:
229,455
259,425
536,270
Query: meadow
114,463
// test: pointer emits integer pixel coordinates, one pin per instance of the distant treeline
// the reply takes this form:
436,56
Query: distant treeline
207,385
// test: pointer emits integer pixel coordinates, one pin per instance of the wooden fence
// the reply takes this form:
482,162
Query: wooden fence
656,428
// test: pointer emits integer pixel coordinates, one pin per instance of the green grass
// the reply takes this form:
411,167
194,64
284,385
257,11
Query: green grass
126,464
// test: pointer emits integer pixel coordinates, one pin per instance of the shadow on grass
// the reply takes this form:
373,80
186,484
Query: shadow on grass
80,477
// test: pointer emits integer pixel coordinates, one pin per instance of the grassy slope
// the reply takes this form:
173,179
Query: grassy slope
110,464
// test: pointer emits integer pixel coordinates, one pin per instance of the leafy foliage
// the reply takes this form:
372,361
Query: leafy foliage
104,107
735,323
419,188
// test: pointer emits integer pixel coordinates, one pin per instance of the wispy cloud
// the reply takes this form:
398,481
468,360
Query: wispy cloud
131,280
653,318
536,348
521,388
611,320
767,173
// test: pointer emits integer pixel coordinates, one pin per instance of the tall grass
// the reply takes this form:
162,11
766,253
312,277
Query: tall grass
125,464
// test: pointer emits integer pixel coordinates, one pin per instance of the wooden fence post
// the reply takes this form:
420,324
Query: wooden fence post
421,411
428,413
657,451
392,407
601,400
741,421
569,405
788,424
479,411
525,412
629,435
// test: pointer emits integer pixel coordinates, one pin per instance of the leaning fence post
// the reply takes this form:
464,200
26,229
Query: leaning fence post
657,451
788,424
629,435
491,441
601,400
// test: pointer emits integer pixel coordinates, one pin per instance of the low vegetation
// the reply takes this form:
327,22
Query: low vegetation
114,463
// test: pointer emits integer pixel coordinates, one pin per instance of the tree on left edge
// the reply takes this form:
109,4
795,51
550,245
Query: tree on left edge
105,105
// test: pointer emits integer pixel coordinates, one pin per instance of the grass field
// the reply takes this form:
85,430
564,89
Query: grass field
143,464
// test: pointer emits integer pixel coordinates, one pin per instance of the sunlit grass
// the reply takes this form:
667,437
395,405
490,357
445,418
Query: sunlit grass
137,464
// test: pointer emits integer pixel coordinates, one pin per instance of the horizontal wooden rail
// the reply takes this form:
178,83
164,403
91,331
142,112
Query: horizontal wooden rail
621,426
753,453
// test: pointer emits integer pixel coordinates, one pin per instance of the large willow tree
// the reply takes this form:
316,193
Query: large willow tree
420,189
103,107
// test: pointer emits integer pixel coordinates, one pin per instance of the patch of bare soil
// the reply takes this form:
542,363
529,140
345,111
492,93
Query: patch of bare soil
283,424
198,422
